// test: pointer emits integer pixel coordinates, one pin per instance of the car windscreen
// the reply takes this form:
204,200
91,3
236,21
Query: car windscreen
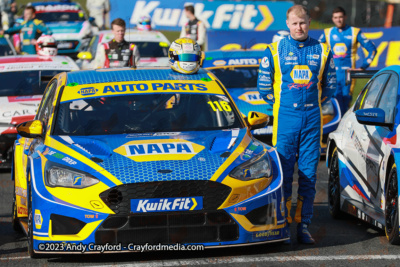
140,113
60,16
25,82
152,49
237,77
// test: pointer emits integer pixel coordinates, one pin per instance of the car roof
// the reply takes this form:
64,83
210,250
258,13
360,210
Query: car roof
113,82
35,62
132,35
220,58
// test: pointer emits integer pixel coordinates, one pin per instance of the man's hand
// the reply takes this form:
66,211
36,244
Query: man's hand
33,42
1,32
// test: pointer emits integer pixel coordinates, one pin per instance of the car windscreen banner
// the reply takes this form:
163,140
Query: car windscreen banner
386,40
217,15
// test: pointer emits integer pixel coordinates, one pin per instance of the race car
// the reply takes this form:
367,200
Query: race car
363,154
69,23
153,157
238,71
24,79
153,47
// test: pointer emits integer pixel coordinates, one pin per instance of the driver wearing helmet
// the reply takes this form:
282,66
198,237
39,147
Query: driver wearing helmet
185,56
144,23
46,46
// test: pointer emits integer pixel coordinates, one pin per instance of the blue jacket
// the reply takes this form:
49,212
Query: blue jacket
31,29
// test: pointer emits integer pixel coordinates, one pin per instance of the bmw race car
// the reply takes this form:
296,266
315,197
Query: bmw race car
153,47
69,23
23,80
144,156
238,71
363,154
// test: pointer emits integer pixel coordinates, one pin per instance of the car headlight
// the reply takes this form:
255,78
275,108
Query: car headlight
57,176
254,168
327,108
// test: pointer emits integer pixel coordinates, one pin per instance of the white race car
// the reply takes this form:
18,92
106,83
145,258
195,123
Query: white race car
23,80
153,47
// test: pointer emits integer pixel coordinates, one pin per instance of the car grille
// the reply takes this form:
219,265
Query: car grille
168,228
118,198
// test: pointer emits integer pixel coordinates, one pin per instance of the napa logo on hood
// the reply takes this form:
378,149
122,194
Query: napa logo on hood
252,97
160,149
301,74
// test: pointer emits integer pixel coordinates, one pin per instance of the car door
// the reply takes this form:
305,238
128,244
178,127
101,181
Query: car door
363,171
372,139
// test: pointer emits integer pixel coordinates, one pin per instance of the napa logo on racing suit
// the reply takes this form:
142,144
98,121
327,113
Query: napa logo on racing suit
340,49
160,149
301,74
166,204
88,91
252,97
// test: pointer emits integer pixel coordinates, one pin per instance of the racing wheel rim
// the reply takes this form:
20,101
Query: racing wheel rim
333,182
391,212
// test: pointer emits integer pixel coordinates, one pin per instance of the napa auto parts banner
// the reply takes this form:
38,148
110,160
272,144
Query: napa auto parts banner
386,40
217,15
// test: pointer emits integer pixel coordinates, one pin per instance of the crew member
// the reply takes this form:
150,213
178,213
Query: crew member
31,29
296,75
118,52
343,40
194,28
98,9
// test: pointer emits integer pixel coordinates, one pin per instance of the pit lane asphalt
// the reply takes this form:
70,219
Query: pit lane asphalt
346,242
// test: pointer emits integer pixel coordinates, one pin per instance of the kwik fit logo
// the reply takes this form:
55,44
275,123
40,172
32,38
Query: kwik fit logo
87,91
166,204
160,149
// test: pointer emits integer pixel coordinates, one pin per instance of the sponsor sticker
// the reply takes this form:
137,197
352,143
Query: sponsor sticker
166,204
38,219
265,62
252,97
301,74
87,91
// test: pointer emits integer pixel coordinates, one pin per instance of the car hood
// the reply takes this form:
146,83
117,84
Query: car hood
65,27
162,156
17,109
249,99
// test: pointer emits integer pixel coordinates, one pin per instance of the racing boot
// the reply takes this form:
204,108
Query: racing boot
303,235
287,234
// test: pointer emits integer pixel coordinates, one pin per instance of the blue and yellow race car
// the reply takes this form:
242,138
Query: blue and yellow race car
238,71
143,156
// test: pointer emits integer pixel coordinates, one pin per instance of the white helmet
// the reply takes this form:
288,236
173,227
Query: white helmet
144,23
279,36
46,46
184,56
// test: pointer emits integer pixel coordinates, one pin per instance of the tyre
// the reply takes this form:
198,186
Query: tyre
392,208
334,186
15,222
30,224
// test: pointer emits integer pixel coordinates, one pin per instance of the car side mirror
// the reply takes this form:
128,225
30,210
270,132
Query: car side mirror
30,129
257,120
85,55
371,116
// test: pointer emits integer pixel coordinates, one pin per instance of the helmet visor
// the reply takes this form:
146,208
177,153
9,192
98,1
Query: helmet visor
186,57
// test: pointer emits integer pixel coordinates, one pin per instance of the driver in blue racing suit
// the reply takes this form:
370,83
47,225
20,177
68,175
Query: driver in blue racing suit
296,75
343,40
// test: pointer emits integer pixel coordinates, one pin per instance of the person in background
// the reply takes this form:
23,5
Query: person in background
118,52
296,75
194,28
98,9
30,30
8,11
344,41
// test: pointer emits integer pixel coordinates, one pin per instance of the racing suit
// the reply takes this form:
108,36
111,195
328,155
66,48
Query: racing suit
97,10
30,30
117,55
296,77
344,46
195,30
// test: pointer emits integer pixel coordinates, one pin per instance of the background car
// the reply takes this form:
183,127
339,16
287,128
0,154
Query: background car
167,152
238,72
153,47
69,23
363,155
23,80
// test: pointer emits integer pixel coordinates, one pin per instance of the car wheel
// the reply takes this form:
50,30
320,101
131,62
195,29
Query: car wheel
30,224
392,208
334,186
15,222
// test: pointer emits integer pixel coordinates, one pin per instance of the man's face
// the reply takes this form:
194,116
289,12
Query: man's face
119,33
298,26
28,14
339,19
